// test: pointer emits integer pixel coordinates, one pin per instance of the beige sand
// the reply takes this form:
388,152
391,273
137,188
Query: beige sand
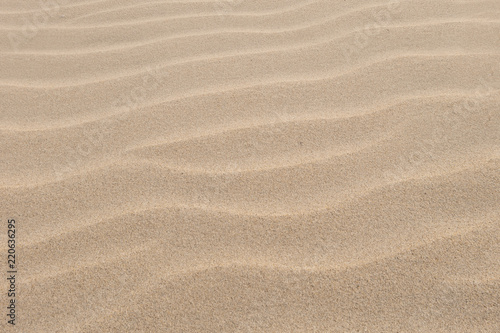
251,166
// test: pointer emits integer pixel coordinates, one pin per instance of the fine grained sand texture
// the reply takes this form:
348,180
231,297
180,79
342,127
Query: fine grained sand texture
251,166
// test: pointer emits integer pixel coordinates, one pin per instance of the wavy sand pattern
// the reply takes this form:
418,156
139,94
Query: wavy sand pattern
252,166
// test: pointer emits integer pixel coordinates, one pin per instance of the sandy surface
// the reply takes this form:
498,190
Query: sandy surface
251,166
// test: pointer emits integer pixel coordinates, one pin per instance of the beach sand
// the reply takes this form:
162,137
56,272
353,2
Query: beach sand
251,166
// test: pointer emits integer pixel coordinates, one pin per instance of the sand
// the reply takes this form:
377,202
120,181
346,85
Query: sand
251,166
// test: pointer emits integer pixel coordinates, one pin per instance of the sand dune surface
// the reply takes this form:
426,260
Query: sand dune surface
251,166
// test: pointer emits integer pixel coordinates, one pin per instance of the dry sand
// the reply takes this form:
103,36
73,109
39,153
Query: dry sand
251,166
